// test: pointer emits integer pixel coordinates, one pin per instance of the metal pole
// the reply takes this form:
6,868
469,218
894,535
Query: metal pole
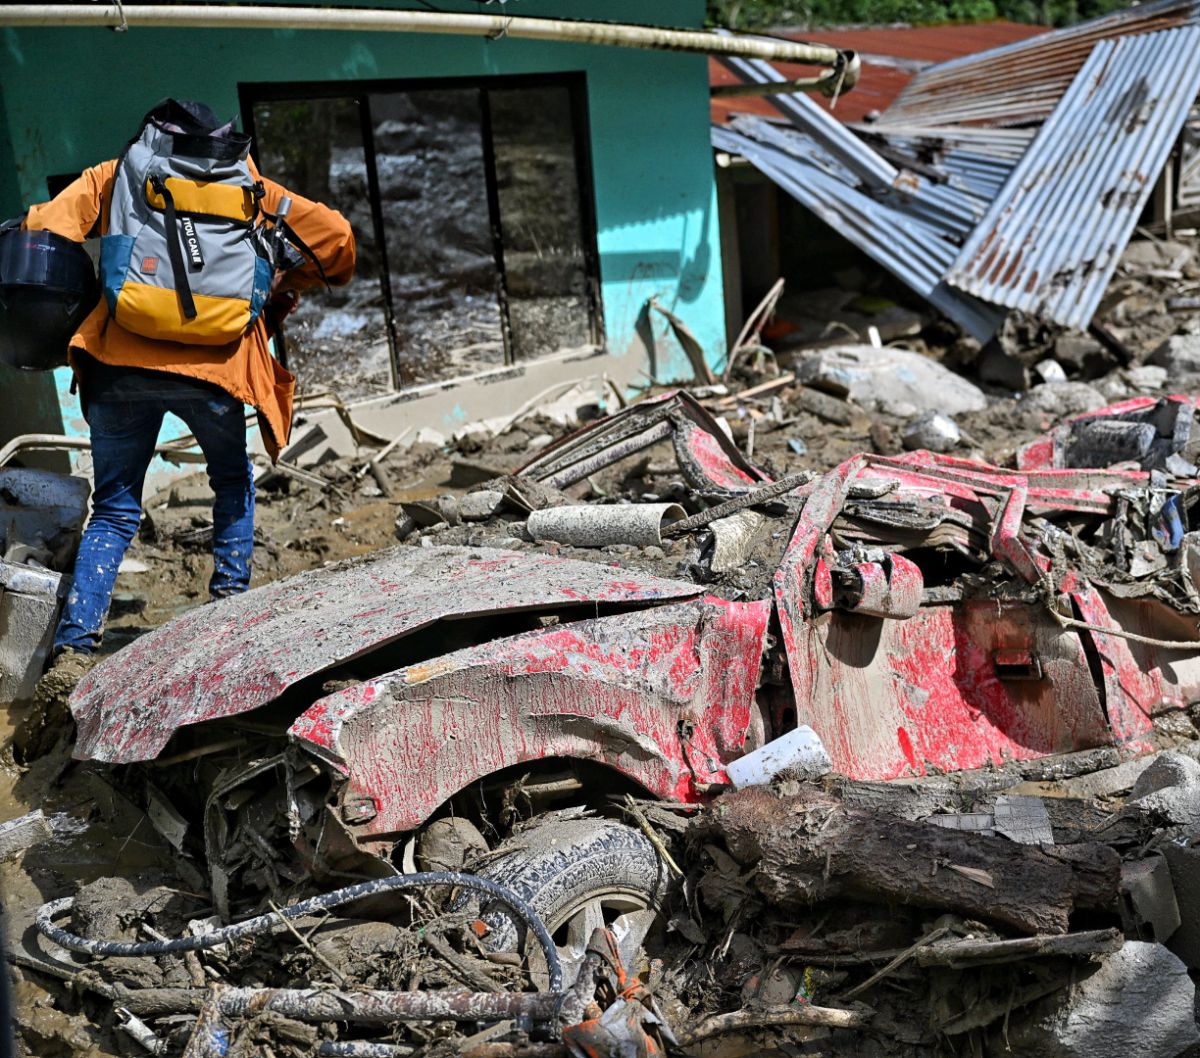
246,16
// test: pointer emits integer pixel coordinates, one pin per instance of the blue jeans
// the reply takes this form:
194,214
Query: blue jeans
124,434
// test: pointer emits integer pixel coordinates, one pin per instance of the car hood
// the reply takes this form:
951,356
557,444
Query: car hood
242,652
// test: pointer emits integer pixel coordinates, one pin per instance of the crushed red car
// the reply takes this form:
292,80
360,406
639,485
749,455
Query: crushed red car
923,614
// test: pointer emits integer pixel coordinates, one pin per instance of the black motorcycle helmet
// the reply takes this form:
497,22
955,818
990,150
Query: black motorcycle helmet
47,287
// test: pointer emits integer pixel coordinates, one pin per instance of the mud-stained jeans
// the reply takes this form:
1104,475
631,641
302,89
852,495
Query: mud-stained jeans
123,437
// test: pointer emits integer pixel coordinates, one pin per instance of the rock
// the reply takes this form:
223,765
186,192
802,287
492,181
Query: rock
193,492
1081,353
897,381
479,506
1169,790
1145,255
824,406
1051,402
1147,376
933,431
1184,864
883,439
1139,1002
1050,370
1179,354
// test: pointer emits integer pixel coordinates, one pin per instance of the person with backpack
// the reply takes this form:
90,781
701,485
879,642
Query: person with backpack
194,241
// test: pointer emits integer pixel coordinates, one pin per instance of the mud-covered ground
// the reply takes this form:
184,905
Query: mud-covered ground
99,832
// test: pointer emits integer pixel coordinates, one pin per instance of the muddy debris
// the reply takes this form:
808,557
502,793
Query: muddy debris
1028,907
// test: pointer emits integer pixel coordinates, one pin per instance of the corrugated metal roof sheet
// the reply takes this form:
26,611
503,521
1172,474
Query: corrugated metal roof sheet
1021,83
1052,238
916,247
890,56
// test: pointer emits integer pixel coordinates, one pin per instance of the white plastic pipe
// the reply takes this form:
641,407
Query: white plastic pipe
246,16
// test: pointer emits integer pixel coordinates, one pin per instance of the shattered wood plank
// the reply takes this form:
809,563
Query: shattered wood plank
961,953
752,1020
809,847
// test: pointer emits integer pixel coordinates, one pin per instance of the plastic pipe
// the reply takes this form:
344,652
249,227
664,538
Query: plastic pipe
247,16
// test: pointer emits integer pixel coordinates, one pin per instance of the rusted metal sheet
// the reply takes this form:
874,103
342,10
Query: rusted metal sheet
709,460
663,696
913,247
242,652
1022,83
1053,237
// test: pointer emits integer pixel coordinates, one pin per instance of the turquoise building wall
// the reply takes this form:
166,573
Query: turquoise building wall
71,97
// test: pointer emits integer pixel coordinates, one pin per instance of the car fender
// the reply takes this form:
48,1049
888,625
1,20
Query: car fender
662,695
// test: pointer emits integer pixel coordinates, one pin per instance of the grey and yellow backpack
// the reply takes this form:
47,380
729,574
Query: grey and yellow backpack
189,254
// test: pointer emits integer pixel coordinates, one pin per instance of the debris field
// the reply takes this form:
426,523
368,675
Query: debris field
841,707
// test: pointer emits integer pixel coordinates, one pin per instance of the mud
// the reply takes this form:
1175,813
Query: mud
723,945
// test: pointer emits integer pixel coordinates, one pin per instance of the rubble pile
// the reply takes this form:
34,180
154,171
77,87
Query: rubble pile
994,859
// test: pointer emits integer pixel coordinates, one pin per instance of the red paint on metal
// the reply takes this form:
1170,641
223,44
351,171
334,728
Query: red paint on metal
709,454
644,693
895,697
242,653
1045,453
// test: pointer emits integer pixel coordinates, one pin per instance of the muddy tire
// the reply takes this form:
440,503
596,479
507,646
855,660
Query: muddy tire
576,874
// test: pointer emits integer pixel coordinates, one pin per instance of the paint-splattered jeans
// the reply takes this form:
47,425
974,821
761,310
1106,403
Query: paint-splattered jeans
123,437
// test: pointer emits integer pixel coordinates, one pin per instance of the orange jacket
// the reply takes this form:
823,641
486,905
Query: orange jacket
245,369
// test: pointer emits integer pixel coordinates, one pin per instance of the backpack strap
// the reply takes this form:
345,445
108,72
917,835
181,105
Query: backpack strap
175,247
289,233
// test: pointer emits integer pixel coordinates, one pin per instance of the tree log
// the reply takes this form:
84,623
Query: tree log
810,847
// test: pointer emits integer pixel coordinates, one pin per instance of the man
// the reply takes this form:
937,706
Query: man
128,381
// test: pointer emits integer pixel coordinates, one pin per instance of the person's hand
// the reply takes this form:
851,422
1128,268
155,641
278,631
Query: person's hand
281,303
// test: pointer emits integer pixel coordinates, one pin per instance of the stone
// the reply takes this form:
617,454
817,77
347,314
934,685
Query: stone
1051,402
1180,355
479,506
932,431
1148,376
1184,864
1050,371
1146,255
1138,1002
191,492
1169,790
1150,910
896,381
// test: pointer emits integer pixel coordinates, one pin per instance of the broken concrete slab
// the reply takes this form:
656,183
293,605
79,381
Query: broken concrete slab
732,539
897,381
1139,1002
1184,863
1150,910
29,603
19,834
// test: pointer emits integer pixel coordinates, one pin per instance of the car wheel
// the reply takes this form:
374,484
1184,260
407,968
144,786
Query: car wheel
577,875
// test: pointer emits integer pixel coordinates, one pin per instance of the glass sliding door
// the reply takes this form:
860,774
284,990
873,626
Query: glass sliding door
338,339
471,203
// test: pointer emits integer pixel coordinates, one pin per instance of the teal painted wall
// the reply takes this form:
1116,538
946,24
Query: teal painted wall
73,96
28,400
